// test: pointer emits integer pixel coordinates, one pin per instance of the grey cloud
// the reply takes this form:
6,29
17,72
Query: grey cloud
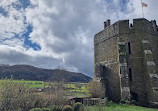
12,56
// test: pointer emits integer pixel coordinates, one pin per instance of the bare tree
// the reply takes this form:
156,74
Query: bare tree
57,92
96,89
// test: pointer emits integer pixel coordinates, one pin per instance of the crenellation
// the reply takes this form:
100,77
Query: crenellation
106,23
154,25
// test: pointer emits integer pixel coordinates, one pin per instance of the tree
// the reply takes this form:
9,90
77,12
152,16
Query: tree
96,89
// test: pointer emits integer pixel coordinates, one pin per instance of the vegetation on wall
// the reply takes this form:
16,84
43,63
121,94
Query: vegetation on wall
122,53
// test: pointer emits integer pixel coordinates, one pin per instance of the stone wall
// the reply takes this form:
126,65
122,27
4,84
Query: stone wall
126,60
141,61
106,59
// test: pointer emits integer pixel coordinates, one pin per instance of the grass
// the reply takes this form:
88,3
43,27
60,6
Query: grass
118,107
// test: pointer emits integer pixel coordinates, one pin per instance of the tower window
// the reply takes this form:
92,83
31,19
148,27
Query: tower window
130,74
120,70
129,47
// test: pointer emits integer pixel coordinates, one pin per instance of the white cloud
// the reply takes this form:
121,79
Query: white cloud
12,24
5,3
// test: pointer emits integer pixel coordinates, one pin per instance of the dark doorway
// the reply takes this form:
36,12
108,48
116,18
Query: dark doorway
134,96
106,72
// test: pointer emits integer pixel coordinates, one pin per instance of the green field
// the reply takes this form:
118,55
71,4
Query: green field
31,84
118,107
75,89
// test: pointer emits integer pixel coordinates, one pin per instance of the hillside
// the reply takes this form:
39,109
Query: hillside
27,72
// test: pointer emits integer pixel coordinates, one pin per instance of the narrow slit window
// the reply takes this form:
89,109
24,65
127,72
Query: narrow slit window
120,70
130,74
129,47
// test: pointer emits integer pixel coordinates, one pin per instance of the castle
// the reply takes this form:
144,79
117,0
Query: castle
126,60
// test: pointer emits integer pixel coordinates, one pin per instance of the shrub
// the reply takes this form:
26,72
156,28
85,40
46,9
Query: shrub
67,108
122,101
55,108
132,102
78,106
35,109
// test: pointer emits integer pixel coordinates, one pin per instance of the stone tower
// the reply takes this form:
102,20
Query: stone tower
126,60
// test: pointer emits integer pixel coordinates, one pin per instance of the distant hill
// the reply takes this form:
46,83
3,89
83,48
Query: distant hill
27,72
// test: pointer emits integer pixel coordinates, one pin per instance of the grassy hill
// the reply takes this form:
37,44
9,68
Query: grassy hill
27,72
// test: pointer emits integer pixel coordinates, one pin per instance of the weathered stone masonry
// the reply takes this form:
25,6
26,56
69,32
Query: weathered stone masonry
126,60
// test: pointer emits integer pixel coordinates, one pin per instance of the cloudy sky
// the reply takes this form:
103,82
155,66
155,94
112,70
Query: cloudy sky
59,33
